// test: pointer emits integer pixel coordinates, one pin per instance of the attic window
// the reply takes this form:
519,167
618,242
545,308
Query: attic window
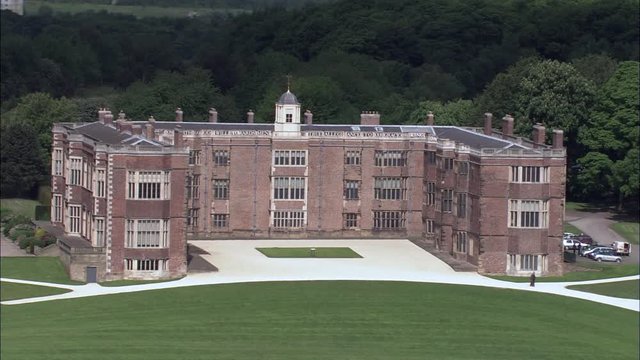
355,128
379,128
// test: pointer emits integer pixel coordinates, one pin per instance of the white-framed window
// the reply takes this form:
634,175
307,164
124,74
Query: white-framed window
58,162
75,219
194,157
447,200
221,189
447,163
147,233
288,219
389,220
462,205
529,174
463,167
145,265
390,158
56,213
192,217
100,190
528,214
289,118
526,263
148,185
431,193
430,227
220,220
351,189
461,242
193,186
352,157
350,220
529,262
289,188
75,171
99,232
289,157
221,157
389,188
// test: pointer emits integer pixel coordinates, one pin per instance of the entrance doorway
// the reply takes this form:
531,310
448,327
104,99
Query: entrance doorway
92,274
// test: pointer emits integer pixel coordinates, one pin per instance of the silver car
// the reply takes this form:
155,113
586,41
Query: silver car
606,255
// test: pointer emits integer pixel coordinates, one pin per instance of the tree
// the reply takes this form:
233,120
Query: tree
596,67
555,94
594,175
22,166
459,113
625,177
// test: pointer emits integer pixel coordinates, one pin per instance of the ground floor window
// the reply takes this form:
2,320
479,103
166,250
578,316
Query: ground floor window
75,223
350,220
526,263
57,209
389,220
192,218
288,219
146,265
220,220
99,231
461,242
430,227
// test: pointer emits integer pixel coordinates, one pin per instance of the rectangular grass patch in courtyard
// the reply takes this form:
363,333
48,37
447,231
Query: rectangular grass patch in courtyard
623,289
628,230
309,252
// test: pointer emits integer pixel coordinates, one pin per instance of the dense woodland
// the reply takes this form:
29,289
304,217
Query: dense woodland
568,64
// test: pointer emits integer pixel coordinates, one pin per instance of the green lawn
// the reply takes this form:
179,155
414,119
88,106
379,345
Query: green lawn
23,207
572,229
623,289
306,252
576,206
13,291
628,230
47,269
592,271
321,320
32,7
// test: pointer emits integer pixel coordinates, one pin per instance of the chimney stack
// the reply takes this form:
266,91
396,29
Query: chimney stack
558,139
250,116
101,113
152,119
177,136
179,114
122,115
308,117
488,119
119,125
369,118
507,126
213,115
430,118
108,117
136,130
539,134
149,133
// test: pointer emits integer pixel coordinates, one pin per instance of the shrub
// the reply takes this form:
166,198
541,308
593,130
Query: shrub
47,240
25,242
17,233
40,233
5,215
14,221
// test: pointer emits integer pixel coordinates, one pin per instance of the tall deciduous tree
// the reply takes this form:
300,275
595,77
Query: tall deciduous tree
21,164
459,112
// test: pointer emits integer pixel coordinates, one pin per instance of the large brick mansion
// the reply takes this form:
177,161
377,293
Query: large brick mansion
130,193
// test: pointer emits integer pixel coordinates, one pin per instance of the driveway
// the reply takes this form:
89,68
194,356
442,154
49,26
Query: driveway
9,248
596,225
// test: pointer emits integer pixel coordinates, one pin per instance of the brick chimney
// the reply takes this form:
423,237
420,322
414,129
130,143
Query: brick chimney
148,131
213,115
558,139
101,113
179,114
488,120
108,117
122,115
507,126
430,118
177,136
369,118
539,134
120,125
136,130
308,117
250,116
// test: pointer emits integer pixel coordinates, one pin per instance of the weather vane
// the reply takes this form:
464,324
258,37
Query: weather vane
288,81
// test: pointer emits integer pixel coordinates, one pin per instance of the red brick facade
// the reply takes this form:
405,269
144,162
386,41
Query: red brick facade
487,198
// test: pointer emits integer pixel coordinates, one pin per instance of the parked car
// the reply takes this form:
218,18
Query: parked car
584,238
593,249
606,255
568,235
621,248
569,243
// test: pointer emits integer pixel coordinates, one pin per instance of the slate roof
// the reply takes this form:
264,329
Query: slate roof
108,135
288,99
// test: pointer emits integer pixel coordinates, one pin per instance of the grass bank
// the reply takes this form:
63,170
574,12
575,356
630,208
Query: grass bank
13,291
622,289
46,269
321,320
587,271
24,207
628,230
309,252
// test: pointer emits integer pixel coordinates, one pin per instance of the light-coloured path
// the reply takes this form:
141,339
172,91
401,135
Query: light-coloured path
392,260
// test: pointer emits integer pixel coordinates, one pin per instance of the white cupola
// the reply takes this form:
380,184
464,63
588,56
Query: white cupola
288,114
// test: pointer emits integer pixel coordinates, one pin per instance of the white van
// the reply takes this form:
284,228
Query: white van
621,248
